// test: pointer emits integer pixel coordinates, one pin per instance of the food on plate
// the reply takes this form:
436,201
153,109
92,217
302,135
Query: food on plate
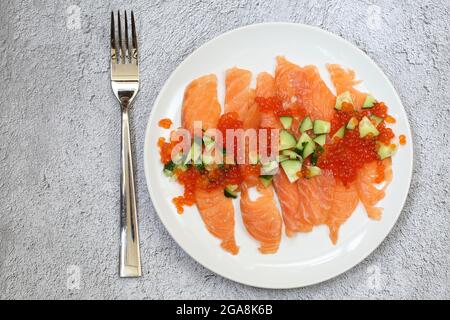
288,139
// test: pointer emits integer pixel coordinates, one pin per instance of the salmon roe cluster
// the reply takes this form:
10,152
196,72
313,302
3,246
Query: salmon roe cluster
165,149
275,105
344,157
196,177
165,123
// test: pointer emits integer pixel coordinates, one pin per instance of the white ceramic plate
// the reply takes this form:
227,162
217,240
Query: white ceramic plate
306,258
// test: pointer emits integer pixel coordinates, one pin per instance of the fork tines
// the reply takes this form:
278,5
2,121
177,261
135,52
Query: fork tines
122,49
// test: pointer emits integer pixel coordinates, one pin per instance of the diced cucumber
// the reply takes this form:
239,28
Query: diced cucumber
366,127
385,151
291,154
270,168
208,159
253,157
170,166
266,180
340,133
286,122
230,191
178,158
369,102
303,141
313,171
287,140
352,123
321,140
194,154
292,168
282,157
168,173
321,126
343,97
200,166
309,149
181,167
209,142
377,119
306,124
315,156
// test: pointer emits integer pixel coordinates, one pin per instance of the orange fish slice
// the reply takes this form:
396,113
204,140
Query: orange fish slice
265,87
290,202
305,88
217,213
343,203
262,218
315,197
287,192
200,103
369,194
252,118
237,91
344,80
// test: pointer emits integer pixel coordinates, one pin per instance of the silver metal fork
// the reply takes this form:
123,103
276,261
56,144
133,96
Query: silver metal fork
125,85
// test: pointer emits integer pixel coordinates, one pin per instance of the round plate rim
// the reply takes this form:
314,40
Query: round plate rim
205,263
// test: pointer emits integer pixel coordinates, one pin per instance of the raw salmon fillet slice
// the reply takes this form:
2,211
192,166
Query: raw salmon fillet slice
252,117
343,203
237,91
265,87
315,197
286,191
262,218
217,213
290,202
200,103
368,193
344,80
303,86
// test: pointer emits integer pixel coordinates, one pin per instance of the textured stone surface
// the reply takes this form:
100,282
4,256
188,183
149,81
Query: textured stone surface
59,145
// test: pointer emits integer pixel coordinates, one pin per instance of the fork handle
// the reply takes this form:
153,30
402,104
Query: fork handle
130,260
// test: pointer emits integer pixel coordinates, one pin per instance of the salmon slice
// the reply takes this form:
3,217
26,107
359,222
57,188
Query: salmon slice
343,203
200,103
265,87
237,91
289,198
304,87
262,218
368,193
252,117
315,197
344,80
286,191
217,213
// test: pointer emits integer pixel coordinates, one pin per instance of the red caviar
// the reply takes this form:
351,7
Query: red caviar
188,179
193,179
165,123
344,157
402,139
390,119
275,105
166,149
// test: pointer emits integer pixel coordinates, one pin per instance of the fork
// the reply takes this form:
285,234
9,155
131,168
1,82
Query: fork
125,85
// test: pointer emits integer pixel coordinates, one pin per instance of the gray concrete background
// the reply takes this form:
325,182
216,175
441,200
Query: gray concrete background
60,130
